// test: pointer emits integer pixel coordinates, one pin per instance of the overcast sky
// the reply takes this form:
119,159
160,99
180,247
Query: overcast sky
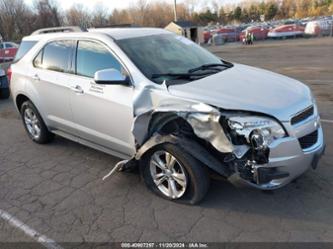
120,4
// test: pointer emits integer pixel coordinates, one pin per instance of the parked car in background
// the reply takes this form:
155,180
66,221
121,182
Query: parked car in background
285,31
322,27
229,34
4,86
259,32
8,51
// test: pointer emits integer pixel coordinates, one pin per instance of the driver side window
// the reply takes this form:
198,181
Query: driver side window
92,57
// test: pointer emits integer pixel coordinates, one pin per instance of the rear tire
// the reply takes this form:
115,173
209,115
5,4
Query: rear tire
188,176
34,124
4,93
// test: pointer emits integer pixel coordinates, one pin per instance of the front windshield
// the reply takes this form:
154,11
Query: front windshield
165,54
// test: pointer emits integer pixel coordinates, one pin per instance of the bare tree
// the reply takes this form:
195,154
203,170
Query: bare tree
99,16
140,12
78,16
191,5
120,17
14,19
48,14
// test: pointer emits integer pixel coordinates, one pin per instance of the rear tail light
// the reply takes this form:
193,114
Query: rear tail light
9,74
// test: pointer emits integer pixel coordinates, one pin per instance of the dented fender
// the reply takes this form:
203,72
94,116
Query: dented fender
204,120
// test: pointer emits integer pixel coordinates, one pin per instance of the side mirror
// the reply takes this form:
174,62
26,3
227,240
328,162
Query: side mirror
110,77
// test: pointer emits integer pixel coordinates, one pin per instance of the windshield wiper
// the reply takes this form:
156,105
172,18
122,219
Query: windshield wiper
178,75
210,66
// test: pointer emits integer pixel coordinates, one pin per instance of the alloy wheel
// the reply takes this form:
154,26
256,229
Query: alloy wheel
32,123
168,174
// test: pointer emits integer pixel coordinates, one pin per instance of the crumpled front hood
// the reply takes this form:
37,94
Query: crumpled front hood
249,89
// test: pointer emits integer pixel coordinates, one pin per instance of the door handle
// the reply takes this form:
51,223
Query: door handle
77,89
36,77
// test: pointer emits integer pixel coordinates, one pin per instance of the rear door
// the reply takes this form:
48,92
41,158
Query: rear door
103,113
51,79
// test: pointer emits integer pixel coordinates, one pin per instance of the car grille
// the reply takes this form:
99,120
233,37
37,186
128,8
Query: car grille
308,140
302,115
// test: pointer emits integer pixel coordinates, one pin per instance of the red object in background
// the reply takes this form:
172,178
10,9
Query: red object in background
259,33
229,34
9,74
7,51
207,35
286,31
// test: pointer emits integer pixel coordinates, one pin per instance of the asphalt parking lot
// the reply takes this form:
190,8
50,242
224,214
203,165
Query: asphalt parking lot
57,189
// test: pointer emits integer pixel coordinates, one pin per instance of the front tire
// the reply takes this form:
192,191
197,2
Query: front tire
34,124
173,174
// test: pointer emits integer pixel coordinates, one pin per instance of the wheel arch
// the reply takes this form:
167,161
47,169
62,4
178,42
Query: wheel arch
166,123
191,146
20,99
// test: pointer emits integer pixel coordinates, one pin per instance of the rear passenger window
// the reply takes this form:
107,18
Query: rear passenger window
55,56
92,57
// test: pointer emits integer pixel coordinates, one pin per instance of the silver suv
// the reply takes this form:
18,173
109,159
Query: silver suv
163,103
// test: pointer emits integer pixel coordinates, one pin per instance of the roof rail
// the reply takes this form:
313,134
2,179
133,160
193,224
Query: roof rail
58,30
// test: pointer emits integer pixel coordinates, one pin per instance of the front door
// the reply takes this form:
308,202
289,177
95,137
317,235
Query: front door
103,113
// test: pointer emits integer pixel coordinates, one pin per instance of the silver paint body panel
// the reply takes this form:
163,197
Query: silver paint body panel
102,116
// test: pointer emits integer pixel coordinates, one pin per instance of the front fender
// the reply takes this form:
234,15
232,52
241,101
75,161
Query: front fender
190,146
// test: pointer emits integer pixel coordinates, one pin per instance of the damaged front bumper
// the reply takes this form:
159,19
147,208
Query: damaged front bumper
287,161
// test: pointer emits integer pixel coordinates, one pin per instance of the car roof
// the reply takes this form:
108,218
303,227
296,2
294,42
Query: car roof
114,33
124,33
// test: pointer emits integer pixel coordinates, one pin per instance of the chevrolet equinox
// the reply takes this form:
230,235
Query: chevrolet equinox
163,103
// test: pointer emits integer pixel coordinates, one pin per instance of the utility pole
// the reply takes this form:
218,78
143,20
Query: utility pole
175,10
332,27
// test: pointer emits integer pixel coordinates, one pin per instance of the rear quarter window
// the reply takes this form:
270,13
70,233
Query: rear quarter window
24,48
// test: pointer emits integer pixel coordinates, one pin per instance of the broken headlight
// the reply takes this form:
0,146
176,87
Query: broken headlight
258,131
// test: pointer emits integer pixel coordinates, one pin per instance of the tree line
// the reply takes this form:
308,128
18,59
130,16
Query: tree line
17,19
269,10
